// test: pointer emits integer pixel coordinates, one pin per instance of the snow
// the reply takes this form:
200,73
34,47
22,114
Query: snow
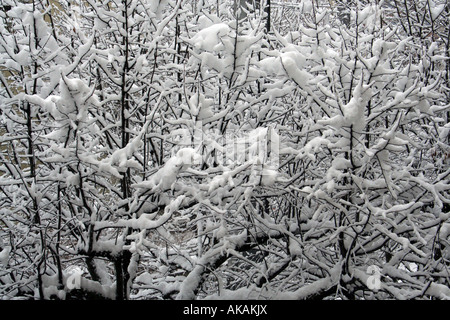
312,147
354,111
364,13
293,65
440,291
294,248
239,294
271,65
269,177
210,38
200,106
120,157
4,255
444,231
222,231
164,178
193,211
144,222
308,290
436,10
190,284
221,180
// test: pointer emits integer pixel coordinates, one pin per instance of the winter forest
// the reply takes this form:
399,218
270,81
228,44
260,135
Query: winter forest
224,149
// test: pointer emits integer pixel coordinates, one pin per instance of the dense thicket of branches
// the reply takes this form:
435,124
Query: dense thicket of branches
179,149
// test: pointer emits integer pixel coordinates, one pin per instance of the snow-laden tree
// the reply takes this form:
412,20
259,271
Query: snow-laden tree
370,189
87,113
178,150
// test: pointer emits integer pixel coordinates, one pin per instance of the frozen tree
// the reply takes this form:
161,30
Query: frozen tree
178,150
32,53
368,191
